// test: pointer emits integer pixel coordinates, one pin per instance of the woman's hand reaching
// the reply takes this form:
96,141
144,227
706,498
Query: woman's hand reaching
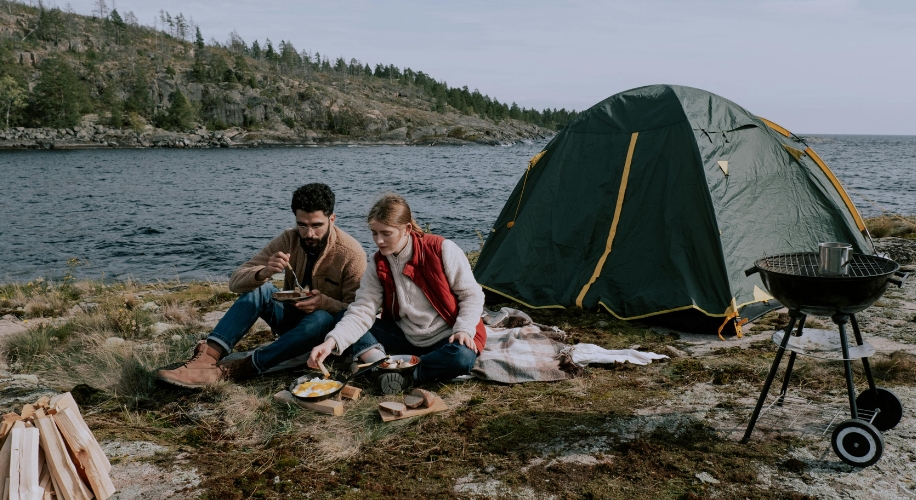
320,352
464,339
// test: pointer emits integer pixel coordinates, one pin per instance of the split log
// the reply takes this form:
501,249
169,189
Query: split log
350,392
27,411
64,475
8,420
5,468
44,481
64,401
86,449
23,481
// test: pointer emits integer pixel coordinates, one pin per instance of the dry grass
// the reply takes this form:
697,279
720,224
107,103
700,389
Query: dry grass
240,439
184,314
891,226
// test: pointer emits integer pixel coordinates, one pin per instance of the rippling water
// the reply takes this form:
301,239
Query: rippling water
162,214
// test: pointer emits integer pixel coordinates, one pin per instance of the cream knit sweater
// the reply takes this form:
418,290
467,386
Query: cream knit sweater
419,321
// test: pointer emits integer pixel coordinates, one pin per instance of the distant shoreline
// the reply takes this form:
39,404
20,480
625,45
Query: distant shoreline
101,137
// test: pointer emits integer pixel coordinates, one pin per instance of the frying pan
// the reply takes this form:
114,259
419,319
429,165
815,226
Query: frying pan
339,378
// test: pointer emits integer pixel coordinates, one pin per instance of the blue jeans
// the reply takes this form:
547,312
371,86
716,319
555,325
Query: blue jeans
441,361
298,332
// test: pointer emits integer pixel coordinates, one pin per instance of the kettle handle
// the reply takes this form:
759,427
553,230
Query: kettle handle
753,270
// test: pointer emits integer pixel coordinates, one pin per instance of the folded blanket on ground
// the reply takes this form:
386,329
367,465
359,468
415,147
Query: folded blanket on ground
530,352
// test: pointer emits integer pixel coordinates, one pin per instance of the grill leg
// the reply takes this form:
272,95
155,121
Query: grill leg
840,320
785,379
865,364
766,386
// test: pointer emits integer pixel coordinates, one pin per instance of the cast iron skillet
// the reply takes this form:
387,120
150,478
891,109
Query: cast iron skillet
339,378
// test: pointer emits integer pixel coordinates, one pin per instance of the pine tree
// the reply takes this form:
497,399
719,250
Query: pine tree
180,115
255,50
198,38
270,54
117,24
139,100
59,95
50,24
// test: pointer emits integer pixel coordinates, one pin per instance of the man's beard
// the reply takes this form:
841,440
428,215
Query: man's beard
314,245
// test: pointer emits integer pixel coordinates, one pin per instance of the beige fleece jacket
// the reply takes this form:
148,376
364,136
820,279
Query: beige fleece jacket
336,273
419,321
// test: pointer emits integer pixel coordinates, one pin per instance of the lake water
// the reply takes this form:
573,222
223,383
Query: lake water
197,214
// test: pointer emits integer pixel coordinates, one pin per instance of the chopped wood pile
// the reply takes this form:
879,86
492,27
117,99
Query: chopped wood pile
48,452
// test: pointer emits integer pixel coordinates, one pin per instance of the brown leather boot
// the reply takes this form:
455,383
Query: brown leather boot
199,371
239,369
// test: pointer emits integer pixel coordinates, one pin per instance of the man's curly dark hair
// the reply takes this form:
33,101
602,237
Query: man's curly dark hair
312,197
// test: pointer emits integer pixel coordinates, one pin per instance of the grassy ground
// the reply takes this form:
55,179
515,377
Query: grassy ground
891,225
583,438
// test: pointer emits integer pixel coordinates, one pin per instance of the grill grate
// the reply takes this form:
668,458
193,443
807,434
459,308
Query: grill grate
807,264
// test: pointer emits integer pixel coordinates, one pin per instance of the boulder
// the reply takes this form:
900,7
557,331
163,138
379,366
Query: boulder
398,134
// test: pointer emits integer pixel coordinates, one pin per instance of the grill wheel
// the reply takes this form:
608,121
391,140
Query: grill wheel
885,400
857,443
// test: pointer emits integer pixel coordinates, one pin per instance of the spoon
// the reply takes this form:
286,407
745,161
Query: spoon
298,286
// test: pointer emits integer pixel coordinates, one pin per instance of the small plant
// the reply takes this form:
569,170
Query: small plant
22,350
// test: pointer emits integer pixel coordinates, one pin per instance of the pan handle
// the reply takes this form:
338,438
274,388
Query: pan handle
753,270
903,277
364,369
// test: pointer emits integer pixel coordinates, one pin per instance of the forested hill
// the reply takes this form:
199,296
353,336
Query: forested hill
70,80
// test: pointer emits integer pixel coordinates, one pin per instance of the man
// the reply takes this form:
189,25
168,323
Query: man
324,258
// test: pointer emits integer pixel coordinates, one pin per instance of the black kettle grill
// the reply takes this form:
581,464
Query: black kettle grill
796,281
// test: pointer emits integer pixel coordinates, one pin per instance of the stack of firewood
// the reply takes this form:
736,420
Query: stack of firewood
48,452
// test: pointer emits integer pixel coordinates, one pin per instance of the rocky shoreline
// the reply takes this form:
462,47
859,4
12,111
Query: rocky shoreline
94,136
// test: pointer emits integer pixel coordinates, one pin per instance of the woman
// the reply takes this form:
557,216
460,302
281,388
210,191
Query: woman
431,304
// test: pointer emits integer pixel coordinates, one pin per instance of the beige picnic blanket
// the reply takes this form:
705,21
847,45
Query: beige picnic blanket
520,350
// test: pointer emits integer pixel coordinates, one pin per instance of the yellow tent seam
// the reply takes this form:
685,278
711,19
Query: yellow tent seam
610,238
519,301
666,311
531,163
775,127
839,187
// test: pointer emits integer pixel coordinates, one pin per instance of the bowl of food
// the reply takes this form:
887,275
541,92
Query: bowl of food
399,362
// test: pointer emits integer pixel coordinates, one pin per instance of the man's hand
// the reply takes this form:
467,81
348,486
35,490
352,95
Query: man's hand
310,304
464,339
275,264
320,352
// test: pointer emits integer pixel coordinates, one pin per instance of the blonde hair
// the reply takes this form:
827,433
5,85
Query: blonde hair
393,210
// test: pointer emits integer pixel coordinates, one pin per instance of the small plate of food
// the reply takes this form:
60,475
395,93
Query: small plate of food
288,296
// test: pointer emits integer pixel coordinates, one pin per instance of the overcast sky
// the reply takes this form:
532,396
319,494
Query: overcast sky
813,66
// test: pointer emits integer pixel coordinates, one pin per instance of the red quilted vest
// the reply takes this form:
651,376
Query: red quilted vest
426,271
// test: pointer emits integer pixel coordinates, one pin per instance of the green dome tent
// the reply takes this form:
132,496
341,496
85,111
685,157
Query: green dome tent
653,202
